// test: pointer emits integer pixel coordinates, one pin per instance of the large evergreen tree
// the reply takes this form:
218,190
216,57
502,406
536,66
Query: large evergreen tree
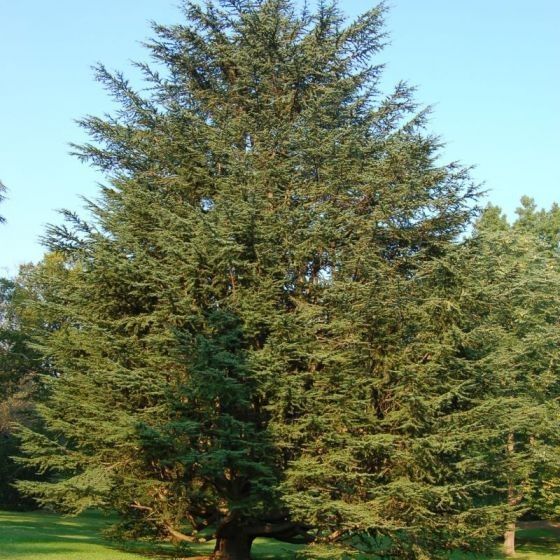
245,334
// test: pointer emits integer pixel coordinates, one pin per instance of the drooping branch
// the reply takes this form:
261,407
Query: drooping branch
180,537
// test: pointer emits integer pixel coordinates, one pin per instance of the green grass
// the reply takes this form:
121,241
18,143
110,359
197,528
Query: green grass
44,536
538,544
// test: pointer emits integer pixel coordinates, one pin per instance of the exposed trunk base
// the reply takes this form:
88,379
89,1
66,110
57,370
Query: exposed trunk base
233,547
234,540
509,540
513,500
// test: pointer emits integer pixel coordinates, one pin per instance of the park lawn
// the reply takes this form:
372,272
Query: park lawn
538,544
44,536
531,544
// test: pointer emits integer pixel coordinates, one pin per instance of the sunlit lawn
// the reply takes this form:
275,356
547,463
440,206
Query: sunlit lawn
538,544
43,536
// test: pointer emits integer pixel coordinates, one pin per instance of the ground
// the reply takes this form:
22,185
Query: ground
43,536
539,540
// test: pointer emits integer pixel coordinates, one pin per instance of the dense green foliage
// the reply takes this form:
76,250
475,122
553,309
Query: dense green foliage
544,224
507,280
19,365
268,325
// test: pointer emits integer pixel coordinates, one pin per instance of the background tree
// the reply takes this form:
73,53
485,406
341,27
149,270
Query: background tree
544,224
510,303
20,365
244,337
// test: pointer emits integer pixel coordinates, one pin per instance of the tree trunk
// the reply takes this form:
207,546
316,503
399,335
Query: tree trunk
232,543
513,500
509,540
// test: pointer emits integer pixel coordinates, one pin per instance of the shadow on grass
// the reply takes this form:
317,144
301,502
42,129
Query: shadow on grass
542,542
263,549
37,534
41,534
34,534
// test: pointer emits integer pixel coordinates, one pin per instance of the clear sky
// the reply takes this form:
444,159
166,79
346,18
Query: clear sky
491,68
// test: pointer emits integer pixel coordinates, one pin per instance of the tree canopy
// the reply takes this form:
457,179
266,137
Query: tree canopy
264,327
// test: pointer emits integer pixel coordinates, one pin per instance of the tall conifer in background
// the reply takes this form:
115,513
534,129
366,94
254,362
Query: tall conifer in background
543,224
509,304
245,336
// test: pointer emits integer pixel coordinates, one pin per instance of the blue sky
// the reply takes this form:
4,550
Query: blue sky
490,68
